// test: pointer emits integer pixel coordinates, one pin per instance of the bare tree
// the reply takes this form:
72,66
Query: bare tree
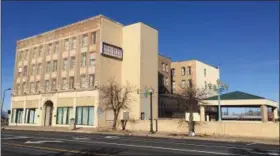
116,97
189,97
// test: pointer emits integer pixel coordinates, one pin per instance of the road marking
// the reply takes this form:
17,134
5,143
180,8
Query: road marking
111,137
272,153
152,147
81,138
40,142
16,137
251,143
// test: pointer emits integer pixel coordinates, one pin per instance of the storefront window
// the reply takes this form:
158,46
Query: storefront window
30,115
64,115
85,115
17,115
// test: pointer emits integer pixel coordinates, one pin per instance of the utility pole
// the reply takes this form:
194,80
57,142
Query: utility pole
219,88
151,111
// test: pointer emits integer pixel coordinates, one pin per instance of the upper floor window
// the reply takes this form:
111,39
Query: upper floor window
65,63
39,68
190,83
173,72
25,71
72,62
93,37
26,55
63,83
163,67
24,87
84,40
183,71
20,71
205,84
204,72
66,44
53,84
40,51
173,85
83,60
92,59
47,85
49,48
37,86
32,87
34,52
71,82
33,71
20,55
83,81
166,68
48,67
73,43
189,70
183,83
18,89
54,67
91,80
56,47
166,81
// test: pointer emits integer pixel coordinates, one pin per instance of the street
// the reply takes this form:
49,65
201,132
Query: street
56,143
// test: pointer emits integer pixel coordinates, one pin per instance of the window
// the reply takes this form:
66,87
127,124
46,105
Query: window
190,83
163,67
33,71
84,115
20,71
71,82
32,87
189,70
20,55
34,52
91,80
173,72
26,55
18,89
72,62
205,84
23,87
48,67
204,72
73,43
54,67
17,116
64,114
56,49
40,51
93,37
49,48
65,61
173,85
183,71
83,60
142,116
63,84
84,40
53,84
39,68
66,44
183,83
166,68
30,115
92,59
25,71
37,86
47,85
83,81
166,81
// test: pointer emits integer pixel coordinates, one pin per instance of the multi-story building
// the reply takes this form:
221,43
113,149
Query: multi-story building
164,74
57,73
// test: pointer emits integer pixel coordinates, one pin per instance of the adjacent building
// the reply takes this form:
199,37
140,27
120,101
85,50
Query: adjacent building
57,73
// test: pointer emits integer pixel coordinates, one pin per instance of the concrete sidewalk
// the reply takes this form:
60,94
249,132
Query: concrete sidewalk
146,134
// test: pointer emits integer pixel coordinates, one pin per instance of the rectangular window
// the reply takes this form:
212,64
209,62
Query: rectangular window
166,81
83,60
92,59
54,67
64,114
93,37
183,71
73,43
39,68
49,48
48,67
53,84
34,52
65,63
72,62
30,115
32,87
204,72
63,84
17,115
189,70
40,51
71,82
190,83
163,67
23,87
18,89
37,86
83,81
56,48
91,80
183,83
173,85
26,55
85,115
166,68
84,40
173,72
47,85
25,71
33,71
66,44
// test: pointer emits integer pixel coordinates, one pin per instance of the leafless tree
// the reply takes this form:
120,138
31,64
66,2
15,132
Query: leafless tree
116,97
189,97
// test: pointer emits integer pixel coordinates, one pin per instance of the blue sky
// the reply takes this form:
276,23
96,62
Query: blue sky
241,37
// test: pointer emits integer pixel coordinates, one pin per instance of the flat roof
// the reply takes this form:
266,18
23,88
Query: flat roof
198,61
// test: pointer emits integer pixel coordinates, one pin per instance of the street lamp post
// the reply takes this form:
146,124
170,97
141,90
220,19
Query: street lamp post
4,99
219,88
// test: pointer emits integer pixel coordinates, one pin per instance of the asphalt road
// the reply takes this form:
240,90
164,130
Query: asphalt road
56,143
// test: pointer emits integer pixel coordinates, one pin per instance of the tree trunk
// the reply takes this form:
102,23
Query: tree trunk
114,127
191,124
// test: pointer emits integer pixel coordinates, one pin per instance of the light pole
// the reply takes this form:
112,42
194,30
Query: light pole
4,99
151,110
219,88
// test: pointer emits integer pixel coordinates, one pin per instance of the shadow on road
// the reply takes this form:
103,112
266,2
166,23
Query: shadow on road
91,152
252,152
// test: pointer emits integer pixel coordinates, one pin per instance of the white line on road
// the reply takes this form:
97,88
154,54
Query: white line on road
111,137
251,143
81,138
40,142
16,137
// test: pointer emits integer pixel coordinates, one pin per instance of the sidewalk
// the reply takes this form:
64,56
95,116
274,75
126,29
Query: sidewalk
146,134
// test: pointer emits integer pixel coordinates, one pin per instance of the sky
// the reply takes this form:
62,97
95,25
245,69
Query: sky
242,38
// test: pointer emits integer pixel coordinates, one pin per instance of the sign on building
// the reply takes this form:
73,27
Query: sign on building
111,51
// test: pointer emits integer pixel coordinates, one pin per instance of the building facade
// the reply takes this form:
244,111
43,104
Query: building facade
164,74
57,73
